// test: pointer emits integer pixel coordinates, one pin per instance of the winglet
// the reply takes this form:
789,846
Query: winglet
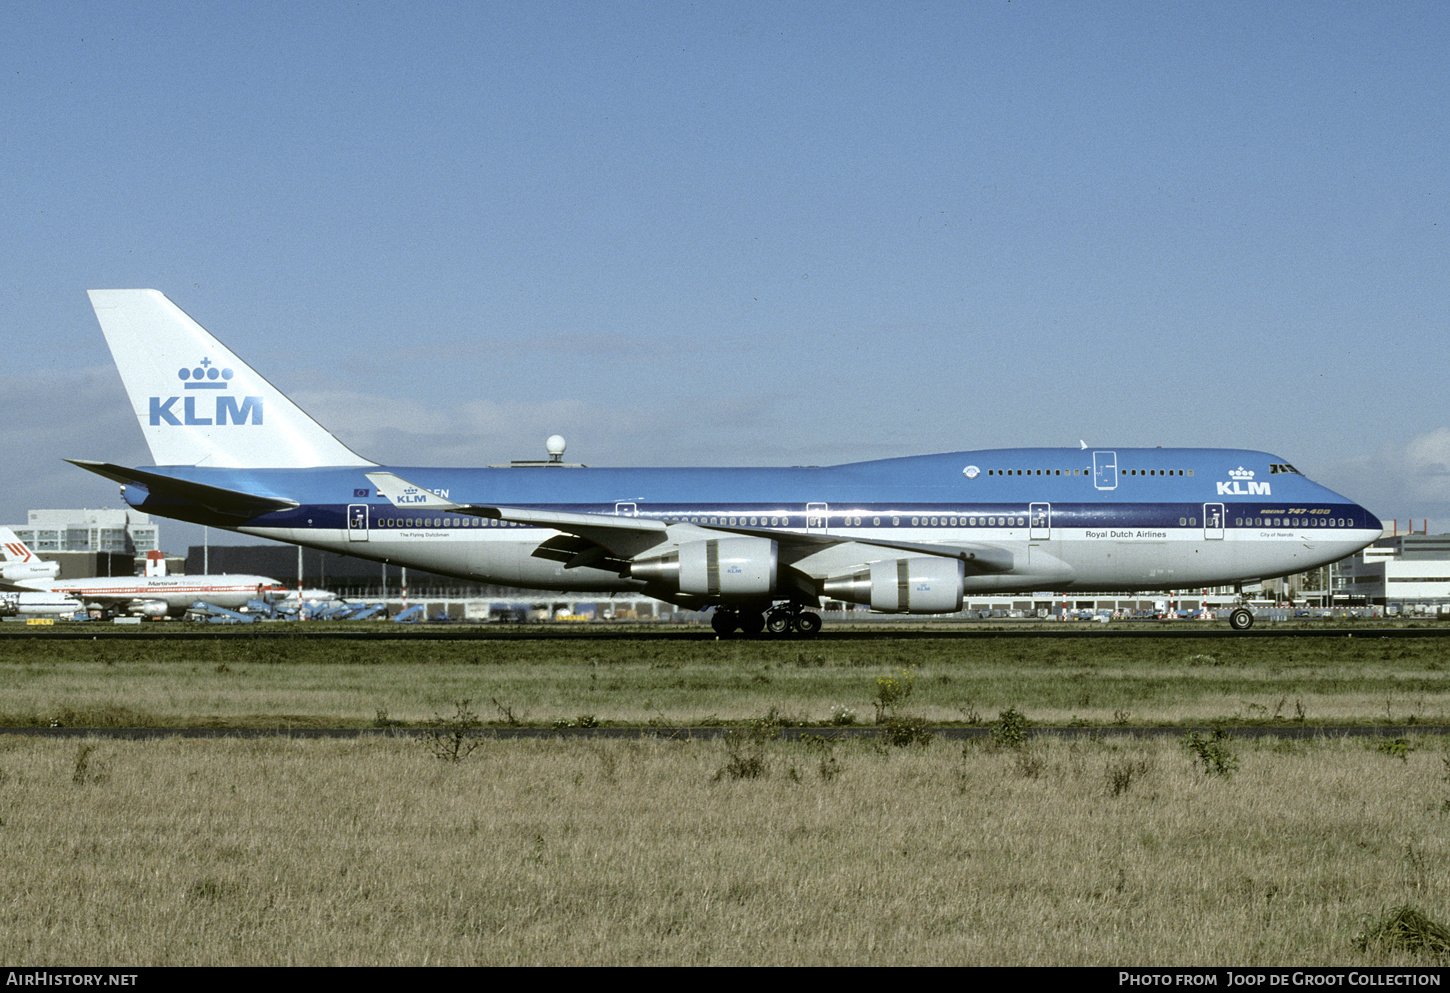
405,495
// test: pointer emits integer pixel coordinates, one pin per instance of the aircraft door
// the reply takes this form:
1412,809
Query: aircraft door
357,522
818,516
1213,520
626,509
1105,470
1039,517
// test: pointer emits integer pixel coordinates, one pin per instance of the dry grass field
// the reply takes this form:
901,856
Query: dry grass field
278,852
750,850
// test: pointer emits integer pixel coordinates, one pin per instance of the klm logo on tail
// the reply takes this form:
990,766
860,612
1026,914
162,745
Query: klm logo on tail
196,411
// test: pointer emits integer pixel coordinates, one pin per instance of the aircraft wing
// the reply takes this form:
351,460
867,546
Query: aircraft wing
224,501
978,557
621,536
627,537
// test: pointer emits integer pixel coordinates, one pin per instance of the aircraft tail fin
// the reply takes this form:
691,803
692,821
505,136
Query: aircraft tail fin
13,548
198,404
20,562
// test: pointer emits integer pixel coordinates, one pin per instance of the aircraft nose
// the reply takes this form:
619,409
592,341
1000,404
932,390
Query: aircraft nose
1371,522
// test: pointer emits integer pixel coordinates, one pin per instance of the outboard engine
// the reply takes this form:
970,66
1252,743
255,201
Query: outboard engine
924,585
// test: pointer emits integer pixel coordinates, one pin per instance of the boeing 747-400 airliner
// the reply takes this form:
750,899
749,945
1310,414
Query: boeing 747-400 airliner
762,546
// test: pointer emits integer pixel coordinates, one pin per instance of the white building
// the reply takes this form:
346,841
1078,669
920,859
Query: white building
122,531
1411,568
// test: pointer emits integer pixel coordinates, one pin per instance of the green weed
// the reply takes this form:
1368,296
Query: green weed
1121,773
902,730
452,738
1009,730
1213,752
1398,748
893,690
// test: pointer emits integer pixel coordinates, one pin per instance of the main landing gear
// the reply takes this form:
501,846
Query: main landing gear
782,619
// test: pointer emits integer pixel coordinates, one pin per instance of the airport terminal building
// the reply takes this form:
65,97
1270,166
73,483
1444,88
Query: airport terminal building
90,543
1405,569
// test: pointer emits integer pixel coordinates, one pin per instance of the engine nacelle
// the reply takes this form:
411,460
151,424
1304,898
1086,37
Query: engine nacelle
154,609
729,567
925,585
13,572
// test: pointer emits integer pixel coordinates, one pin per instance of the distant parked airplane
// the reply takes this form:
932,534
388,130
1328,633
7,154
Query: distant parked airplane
148,596
36,604
762,546
159,596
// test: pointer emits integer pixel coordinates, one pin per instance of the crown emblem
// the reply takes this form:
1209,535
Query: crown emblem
206,376
1241,473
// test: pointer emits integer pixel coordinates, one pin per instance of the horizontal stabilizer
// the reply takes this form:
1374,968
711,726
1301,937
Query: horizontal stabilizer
229,502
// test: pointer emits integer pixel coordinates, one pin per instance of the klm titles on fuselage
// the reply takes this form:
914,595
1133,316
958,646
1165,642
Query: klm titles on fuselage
226,410
413,495
1243,484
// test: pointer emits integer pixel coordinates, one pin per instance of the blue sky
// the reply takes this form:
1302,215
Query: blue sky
744,234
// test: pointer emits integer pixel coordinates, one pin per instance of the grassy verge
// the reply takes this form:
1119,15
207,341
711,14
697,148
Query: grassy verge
298,682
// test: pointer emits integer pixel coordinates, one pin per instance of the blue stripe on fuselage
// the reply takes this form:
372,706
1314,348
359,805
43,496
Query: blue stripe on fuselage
1154,487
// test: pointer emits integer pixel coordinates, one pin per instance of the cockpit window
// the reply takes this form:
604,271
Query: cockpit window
1277,467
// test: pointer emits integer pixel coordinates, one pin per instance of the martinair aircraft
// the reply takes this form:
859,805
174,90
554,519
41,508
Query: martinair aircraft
148,596
762,546
157,596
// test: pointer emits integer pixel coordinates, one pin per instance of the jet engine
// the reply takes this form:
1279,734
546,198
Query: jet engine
13,572
730,567
925,585
154,609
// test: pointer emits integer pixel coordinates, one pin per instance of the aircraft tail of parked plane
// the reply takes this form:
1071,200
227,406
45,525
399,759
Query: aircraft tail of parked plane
762,546
21,562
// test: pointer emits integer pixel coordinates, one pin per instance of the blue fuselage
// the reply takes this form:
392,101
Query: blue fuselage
1125,519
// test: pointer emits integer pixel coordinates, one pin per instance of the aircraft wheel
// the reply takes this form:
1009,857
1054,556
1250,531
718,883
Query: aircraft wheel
1241,619
752,622
724,622
808,624
778,622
